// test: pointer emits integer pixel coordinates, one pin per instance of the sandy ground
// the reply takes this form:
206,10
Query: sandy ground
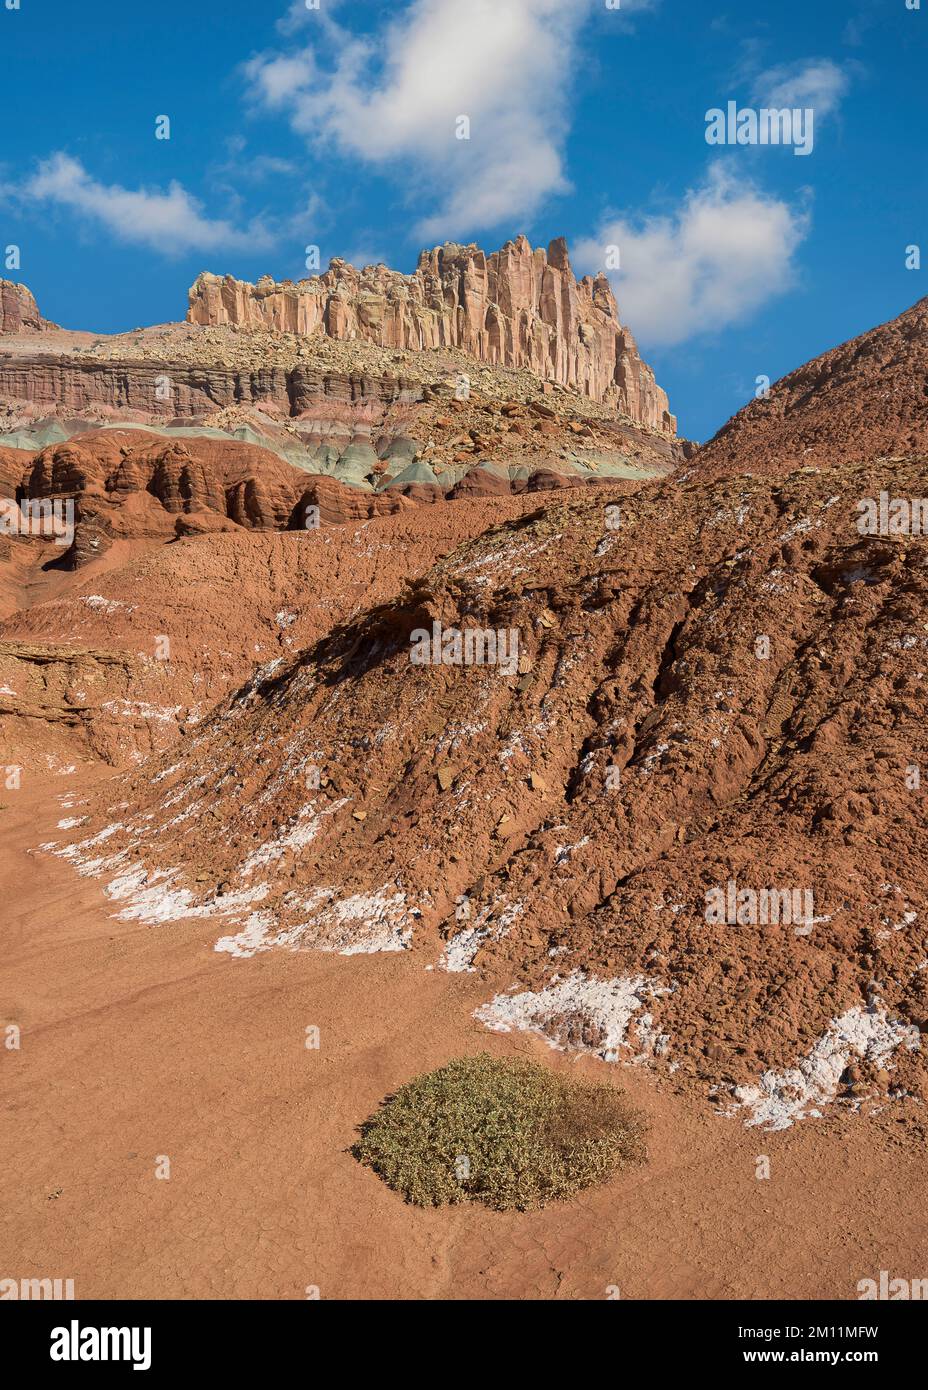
142,1042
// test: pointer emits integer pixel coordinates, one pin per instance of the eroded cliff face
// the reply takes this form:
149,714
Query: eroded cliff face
518,307
18,309
342,398
73,385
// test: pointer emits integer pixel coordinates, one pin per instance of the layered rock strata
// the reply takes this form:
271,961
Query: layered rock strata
519,307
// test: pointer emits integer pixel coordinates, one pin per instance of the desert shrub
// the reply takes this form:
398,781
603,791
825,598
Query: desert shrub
505,1133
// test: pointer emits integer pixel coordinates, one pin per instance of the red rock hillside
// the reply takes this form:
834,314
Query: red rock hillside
866,398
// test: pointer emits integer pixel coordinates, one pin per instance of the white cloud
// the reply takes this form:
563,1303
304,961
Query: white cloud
266,166
723,253
505,64
818,83
171,222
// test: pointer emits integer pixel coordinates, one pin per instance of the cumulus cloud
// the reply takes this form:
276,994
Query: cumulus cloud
724,252
819,83
396,98
171,222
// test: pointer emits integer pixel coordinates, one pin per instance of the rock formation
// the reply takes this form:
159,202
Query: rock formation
585,805
74,385
518,307
132,483
356,375
18,310
13,464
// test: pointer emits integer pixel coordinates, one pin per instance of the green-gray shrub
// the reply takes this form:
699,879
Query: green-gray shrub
505,1133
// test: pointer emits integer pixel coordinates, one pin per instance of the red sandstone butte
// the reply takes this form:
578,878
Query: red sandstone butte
518,307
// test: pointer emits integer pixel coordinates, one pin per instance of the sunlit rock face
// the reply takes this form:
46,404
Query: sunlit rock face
518,307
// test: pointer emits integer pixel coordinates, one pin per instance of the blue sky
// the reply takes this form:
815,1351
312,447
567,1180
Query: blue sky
336,127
